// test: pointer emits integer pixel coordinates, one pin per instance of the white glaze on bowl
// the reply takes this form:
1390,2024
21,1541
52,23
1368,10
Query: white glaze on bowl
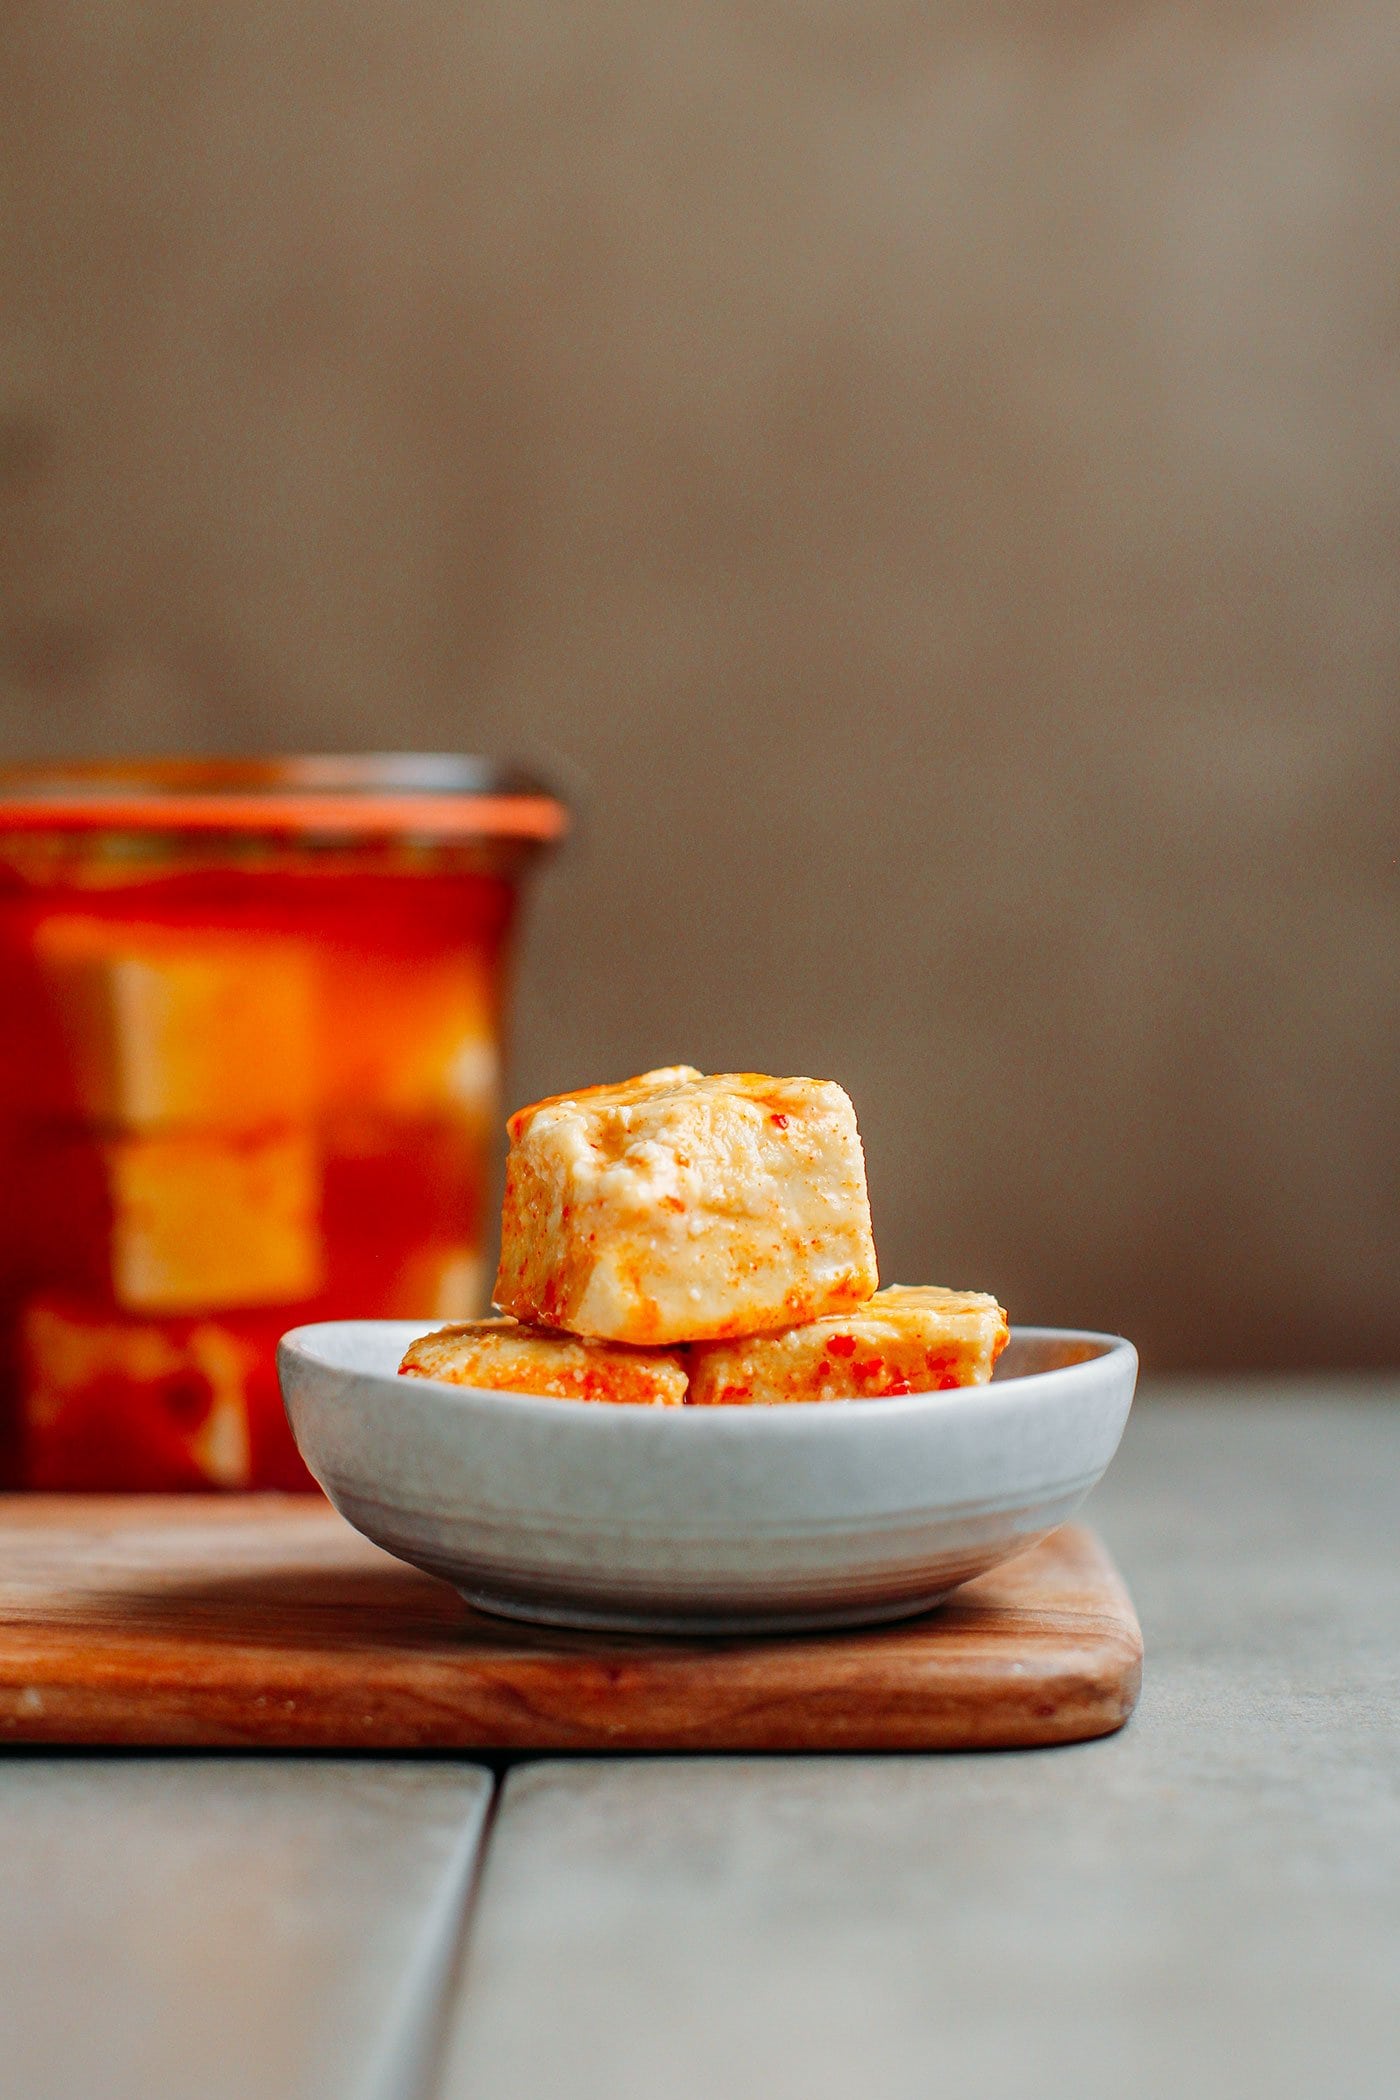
704,1520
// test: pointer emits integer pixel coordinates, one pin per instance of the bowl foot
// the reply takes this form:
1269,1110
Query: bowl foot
737,1623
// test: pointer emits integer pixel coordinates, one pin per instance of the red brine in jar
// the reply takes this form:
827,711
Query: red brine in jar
250,1026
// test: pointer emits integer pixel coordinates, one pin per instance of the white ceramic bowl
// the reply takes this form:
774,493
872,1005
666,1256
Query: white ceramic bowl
704,1520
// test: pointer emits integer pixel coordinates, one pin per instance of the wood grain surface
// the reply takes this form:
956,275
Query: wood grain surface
265,1622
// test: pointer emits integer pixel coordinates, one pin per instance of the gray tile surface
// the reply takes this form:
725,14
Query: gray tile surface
228,1929
1207,1905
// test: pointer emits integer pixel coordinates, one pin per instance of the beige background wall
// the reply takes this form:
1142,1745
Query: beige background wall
927,476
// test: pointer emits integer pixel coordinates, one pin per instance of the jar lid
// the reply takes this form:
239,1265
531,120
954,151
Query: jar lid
383,794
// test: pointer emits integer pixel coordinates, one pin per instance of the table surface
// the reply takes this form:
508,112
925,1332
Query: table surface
1206,1905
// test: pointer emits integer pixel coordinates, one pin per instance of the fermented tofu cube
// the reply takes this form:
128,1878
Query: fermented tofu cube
199,1223
166,1028
506,1357
904,1340
113,1403
410,1036
676,1207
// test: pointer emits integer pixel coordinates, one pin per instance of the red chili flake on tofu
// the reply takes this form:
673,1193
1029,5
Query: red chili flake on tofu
842,1345
781,1121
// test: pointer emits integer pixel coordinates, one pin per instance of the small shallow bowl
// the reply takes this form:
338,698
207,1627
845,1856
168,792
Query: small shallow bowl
704,1520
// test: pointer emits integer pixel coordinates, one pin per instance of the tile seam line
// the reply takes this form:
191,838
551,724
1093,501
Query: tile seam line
448,2008
412,2057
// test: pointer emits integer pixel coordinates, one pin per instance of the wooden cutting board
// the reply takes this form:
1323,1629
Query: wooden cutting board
265,1622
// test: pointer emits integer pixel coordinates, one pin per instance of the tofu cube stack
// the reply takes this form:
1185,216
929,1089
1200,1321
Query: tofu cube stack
702,1240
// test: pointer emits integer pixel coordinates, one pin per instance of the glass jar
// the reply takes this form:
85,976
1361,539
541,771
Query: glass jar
250,1040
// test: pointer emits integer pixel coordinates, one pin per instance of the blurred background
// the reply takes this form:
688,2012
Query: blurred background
923,479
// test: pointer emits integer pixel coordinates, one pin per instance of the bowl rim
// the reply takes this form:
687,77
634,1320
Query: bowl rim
1112,1355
